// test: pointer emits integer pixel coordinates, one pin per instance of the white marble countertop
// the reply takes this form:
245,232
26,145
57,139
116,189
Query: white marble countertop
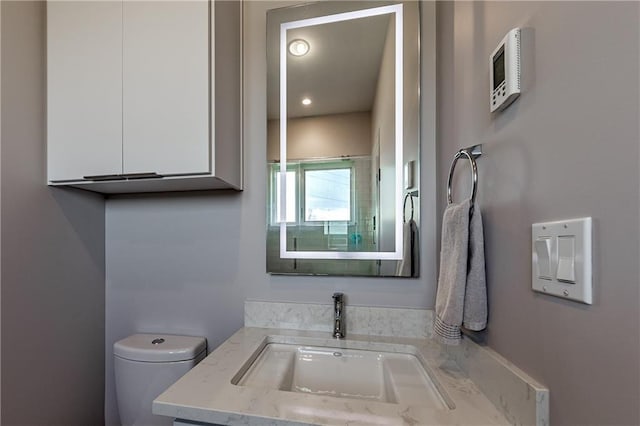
206,393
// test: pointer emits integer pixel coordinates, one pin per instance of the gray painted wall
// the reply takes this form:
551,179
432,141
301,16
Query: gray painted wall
52,247
567,148
0,216
185,263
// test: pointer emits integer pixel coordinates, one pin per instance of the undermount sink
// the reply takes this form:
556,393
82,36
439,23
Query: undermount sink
397,378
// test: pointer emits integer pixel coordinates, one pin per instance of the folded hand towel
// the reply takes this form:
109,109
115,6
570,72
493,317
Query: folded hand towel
452,278
475,295
461,295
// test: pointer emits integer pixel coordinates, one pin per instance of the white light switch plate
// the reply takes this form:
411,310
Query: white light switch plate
573,279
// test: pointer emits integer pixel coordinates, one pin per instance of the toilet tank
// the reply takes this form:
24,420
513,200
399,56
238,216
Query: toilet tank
145,366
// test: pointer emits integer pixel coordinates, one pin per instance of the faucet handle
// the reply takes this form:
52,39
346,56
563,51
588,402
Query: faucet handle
338,296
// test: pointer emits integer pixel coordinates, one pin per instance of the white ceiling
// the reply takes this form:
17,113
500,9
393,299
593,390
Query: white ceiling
339,73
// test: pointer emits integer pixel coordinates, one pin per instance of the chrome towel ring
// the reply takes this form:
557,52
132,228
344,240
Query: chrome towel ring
409,196
471,153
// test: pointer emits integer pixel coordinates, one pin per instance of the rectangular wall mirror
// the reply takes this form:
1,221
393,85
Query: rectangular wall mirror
343,139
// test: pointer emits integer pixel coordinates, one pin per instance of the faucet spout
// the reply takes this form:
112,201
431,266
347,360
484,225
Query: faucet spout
338,316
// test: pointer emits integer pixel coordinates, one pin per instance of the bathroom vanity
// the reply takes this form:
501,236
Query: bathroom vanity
285,376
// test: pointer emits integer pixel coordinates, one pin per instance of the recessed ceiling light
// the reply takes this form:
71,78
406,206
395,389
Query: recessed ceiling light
306,101
298,47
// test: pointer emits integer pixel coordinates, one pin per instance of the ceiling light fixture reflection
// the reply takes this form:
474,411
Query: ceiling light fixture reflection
306,101
298,47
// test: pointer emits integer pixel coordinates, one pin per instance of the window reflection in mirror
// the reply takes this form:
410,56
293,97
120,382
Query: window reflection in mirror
327,195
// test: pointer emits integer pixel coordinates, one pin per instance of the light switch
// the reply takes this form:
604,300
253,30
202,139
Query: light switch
561,259
543,252
566,259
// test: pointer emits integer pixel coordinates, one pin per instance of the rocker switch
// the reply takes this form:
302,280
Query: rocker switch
543,253
566,259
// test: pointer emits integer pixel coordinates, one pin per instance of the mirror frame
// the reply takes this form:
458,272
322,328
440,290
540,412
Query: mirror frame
397,10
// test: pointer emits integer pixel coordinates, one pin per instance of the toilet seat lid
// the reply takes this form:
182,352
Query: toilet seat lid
159,347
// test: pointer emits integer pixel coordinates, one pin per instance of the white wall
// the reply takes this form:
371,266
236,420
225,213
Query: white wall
322,136
383,132
185,263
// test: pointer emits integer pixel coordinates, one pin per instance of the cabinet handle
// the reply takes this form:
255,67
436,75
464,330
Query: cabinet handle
146,175
102,177
128,176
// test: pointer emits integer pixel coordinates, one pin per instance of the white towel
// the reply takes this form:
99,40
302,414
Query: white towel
461,296
409,266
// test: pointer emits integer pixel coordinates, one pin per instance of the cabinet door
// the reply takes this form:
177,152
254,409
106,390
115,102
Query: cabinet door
84,89
166,87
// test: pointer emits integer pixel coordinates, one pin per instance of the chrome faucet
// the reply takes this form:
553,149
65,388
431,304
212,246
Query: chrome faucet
338,316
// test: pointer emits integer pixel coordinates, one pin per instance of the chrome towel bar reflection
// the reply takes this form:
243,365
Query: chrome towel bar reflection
471,153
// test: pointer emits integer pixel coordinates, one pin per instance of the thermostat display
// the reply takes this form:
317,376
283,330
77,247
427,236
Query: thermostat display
498,69
504,70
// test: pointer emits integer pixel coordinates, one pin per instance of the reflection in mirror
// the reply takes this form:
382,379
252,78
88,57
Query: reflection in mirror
345,77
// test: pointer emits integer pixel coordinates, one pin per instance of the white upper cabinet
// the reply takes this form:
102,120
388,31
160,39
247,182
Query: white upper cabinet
166,87
84,83
131,102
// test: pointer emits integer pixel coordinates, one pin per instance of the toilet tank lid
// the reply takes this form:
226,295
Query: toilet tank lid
159,347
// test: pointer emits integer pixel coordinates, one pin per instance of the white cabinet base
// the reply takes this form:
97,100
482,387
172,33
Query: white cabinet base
166,184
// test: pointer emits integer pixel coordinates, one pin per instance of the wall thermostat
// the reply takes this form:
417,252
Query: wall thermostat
504,69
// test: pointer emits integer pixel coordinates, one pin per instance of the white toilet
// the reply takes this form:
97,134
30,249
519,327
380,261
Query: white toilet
145,366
